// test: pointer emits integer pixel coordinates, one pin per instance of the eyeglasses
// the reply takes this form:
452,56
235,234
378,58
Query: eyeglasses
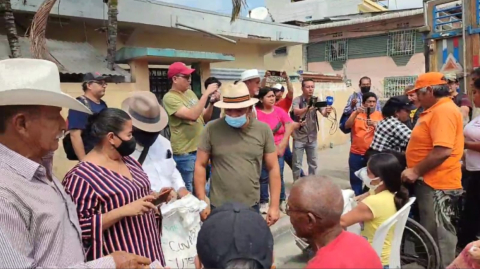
187,77
288,210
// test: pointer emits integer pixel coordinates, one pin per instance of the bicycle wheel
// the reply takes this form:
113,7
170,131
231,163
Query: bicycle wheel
418,249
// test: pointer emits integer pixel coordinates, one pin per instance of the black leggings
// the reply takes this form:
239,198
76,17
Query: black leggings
470,221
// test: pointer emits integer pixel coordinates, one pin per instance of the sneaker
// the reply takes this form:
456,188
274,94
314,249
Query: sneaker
264,208
283,207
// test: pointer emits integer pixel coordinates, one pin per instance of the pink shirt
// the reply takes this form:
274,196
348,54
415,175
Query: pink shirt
272,119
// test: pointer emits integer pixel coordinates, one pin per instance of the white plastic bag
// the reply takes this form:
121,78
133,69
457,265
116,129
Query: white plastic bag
348,204
181,224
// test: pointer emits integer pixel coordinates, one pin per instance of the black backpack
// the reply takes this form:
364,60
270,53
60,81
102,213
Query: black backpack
67,140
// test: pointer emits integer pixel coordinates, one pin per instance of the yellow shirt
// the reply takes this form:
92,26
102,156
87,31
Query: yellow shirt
382,207
412,113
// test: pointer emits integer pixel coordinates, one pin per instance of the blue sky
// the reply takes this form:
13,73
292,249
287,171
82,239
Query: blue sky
225,6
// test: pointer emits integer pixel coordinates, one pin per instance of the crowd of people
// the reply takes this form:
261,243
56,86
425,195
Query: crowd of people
228,149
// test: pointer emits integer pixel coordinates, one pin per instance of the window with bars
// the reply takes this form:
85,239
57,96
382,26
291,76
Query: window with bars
394,86
447,16
336,50
401,43
280,51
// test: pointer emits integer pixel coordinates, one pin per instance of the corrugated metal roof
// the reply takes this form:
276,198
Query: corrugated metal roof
387,16
76,58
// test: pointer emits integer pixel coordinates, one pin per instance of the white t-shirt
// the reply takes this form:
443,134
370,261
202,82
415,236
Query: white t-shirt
472,134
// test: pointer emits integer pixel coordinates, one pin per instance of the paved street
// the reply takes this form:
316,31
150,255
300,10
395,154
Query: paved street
333,162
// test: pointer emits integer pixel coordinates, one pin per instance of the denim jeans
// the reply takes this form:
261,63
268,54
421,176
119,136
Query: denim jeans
255,208
288,157
298,149
355,163
186,165
265,180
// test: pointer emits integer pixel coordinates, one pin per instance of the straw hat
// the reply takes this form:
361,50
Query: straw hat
146,113
34,82
250,74
236,96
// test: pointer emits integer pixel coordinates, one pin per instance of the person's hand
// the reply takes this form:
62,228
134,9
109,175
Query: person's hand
211,88
360,109
182,192
267,74
205,213
273,215
328,109
371,123
124,260
139,207
353,104
215,97
410,175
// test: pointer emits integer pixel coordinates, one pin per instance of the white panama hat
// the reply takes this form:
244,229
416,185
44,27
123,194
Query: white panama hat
235,97
34,82
250,74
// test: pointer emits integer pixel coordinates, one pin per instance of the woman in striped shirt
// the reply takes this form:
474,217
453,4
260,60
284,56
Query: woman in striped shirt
113,194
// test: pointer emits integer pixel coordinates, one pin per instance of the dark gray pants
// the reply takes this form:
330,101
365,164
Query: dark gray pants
446,241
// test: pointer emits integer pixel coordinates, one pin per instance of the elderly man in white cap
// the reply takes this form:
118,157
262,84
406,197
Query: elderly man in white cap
153,151
39,227
237,145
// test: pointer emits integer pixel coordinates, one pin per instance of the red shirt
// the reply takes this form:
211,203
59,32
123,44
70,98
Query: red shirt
348,250
285,103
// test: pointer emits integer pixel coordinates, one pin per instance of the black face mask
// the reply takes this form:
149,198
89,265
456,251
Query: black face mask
143,138
365,89
127,147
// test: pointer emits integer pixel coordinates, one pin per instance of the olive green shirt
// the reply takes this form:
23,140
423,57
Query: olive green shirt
237,156
184,134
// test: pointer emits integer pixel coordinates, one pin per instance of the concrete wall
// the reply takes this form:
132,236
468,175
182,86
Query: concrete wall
292,62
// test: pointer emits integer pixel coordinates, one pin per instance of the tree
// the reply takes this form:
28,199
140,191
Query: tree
7,13
237,6
112,33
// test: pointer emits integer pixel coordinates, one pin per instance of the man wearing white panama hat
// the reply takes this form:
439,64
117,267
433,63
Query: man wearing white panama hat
39,227
237,145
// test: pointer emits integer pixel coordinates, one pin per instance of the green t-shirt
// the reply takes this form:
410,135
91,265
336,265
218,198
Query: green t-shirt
237,156
184,134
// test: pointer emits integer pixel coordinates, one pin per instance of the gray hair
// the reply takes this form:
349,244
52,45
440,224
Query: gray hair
243,264
438,90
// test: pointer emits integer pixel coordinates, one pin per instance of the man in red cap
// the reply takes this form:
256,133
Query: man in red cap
433,159
187,116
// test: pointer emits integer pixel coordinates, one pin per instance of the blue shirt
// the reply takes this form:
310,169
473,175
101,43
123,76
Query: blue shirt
78,120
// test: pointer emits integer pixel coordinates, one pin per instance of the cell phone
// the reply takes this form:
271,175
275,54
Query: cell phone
275,73
162,197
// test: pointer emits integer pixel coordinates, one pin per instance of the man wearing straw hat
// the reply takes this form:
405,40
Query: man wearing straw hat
153,151
237,145
39,226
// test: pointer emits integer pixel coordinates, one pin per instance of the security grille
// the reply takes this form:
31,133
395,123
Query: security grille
394,86
336,50
401,43
159,83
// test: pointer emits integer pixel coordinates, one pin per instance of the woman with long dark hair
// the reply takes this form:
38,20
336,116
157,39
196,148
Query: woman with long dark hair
282,127
115,204
386,196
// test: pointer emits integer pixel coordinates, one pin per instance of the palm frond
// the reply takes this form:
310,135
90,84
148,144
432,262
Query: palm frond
237,6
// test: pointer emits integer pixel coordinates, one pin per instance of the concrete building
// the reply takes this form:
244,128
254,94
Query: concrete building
387,47
152,35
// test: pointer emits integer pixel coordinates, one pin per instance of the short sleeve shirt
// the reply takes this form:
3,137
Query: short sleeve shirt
237,157
277,117
184,134
362,134
78,121
440,125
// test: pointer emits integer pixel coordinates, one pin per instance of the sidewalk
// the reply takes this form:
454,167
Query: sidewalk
332,162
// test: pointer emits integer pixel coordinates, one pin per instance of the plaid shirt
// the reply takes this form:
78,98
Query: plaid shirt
391,134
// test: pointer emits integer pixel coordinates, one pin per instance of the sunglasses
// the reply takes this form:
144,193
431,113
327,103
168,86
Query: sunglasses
187,77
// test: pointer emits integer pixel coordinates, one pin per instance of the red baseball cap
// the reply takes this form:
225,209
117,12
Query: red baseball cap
179,68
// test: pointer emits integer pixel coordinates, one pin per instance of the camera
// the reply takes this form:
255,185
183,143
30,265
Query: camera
317,104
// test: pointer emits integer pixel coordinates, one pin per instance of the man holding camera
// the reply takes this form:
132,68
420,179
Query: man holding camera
305,138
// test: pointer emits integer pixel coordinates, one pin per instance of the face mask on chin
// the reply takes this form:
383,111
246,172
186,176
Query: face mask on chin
236,122
127,147
365,89
363,175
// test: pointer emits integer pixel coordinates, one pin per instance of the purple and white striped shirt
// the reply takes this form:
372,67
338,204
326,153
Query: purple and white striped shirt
39,226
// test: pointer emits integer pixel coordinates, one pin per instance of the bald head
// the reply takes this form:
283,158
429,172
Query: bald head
320,196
